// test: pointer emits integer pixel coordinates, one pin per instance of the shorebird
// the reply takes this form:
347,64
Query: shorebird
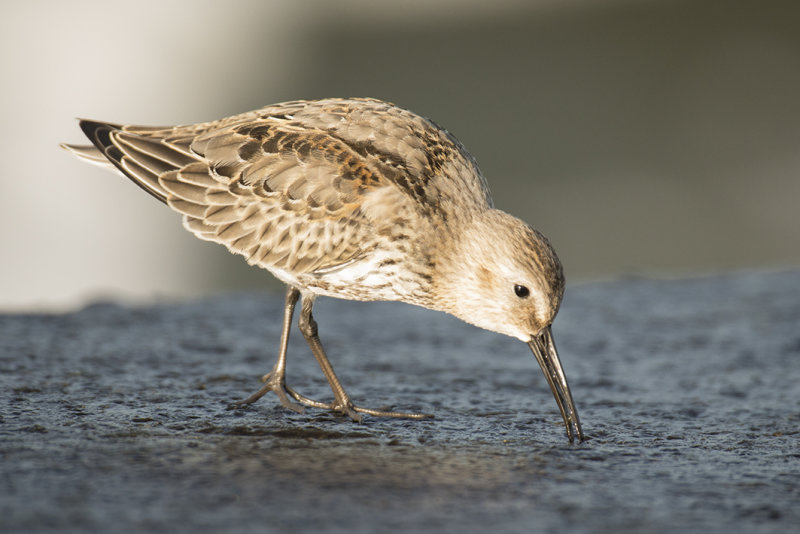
354,199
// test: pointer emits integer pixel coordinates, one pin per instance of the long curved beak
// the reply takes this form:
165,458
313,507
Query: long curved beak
544,349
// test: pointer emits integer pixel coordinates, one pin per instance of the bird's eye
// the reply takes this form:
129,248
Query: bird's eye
521,291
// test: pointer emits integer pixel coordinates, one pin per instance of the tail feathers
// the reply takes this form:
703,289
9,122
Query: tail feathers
90,154
142,156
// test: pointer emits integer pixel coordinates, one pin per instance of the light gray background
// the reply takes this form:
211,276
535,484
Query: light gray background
643,137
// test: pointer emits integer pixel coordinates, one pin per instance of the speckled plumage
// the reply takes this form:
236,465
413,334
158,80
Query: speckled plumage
348,198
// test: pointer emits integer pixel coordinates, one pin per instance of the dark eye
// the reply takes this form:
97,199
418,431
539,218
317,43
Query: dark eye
521,291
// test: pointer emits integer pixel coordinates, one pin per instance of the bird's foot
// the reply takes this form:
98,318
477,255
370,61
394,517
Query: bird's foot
273,382
346,407
397,415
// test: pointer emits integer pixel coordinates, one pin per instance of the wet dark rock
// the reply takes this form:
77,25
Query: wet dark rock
115,418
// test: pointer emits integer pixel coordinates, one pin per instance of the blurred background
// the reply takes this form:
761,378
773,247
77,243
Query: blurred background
646,138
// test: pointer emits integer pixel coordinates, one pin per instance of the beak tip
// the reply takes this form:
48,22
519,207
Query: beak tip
544,350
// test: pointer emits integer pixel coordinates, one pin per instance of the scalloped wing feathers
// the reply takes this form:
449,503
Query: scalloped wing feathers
299,187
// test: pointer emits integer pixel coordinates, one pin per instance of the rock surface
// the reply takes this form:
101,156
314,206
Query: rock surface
114,419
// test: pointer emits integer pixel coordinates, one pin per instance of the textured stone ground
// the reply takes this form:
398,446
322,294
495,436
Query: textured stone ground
114,419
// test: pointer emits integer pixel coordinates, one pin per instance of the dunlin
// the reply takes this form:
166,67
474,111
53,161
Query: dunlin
354,199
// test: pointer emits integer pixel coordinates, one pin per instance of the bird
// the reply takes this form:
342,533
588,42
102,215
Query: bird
350,198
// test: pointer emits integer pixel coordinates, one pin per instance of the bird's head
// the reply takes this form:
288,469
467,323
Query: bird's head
504,276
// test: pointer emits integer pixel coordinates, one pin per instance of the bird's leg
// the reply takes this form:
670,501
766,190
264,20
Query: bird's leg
342,402
275,380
